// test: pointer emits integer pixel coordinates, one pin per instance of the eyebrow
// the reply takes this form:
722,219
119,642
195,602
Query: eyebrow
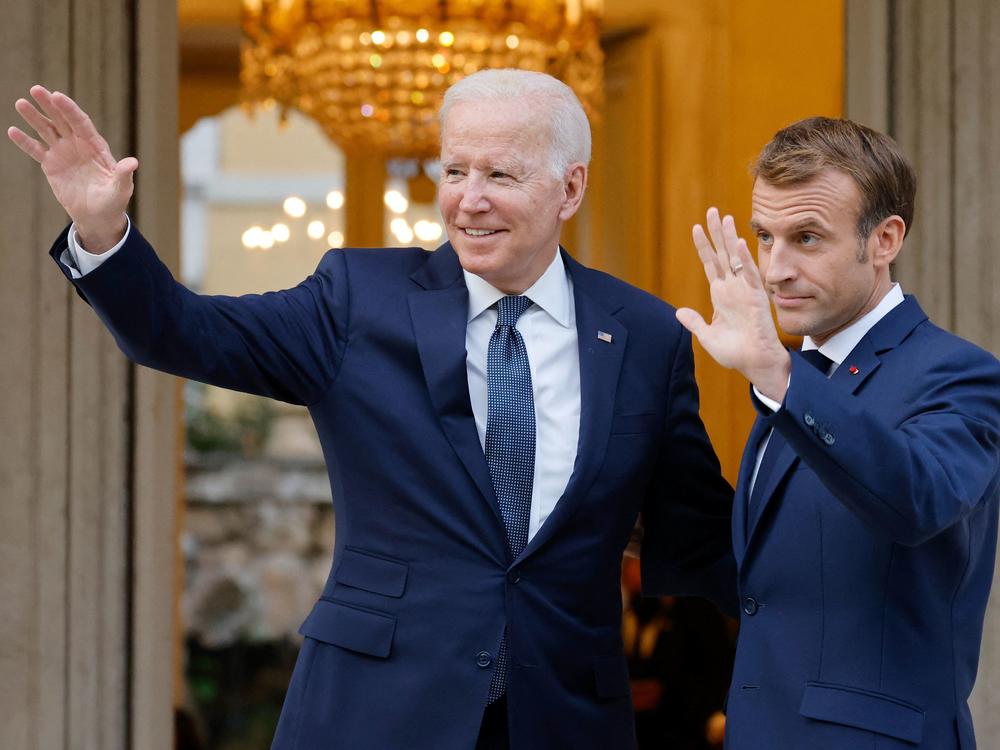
802,226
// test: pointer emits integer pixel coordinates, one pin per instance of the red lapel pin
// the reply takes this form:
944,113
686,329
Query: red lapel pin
853,369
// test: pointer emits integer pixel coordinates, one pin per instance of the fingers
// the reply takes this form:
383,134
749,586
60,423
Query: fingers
708,256
81,126
27,144
749,271
44,98
714,223
39,122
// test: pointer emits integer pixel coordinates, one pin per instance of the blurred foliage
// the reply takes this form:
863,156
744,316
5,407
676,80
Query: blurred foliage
236,692
243,431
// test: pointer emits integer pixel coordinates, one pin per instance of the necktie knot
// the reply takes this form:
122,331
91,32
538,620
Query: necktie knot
510,308
820,361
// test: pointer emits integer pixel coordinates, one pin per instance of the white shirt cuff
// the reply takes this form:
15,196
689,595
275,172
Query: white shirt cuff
770,403
79,261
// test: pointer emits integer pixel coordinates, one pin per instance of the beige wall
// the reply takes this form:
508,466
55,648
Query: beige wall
86,482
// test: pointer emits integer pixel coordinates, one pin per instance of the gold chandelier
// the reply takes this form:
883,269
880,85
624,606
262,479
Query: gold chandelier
372,72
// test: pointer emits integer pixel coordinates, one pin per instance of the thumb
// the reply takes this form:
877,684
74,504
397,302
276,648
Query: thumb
692,320
125,168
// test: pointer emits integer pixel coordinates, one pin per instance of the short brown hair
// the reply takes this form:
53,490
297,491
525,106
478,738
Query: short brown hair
887,182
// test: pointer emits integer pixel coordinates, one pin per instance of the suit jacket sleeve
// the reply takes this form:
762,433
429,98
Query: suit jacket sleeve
687,533
285,345
908,477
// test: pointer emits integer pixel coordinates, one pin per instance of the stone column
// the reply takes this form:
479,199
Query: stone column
928,72
87,446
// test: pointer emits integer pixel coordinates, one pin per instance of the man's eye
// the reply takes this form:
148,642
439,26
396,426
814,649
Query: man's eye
764,238
498,175
808,238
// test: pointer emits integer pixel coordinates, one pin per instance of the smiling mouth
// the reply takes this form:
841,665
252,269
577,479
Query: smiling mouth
479,232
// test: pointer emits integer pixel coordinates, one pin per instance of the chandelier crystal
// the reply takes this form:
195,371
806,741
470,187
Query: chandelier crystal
372,72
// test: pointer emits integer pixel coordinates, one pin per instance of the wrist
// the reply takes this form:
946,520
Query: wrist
99,238
772,379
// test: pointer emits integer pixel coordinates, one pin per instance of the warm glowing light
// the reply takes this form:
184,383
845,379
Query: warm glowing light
396,201
438,60
294,207
335,239
423,35
446,38
367,110
513,41
378,37
266,241
316,229
375,61
401,230
335,199
280,232
251,237
427,231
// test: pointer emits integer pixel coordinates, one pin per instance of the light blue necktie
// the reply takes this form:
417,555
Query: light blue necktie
510,439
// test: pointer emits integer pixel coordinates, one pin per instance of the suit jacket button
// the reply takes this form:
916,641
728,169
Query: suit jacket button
750,606
829,439
808,419
483,659
514,576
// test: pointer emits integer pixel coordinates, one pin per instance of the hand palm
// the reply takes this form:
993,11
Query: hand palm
77,162
78,173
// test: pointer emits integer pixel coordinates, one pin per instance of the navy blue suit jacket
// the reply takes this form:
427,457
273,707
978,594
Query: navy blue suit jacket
399,649
864,574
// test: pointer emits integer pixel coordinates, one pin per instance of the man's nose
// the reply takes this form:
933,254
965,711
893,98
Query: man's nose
778,263
474,198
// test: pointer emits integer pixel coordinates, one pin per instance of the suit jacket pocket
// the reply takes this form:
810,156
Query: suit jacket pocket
611,676
350,627
634,424
864,709
364,570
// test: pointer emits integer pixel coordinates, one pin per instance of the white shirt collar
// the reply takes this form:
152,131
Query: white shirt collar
550,292
843,342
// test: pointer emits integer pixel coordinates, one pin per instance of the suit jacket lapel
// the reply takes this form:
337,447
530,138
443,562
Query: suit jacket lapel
760,427
439,313
600,365
783,464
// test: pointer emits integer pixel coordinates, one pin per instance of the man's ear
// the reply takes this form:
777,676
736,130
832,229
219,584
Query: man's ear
574,186
886,241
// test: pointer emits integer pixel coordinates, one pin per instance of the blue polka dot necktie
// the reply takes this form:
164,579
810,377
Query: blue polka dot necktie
510,439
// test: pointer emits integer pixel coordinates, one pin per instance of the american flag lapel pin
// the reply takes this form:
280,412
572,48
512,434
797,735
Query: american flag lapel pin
853,369
604,336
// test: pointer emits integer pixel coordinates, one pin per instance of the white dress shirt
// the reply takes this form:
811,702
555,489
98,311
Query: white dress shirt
548,328
836,349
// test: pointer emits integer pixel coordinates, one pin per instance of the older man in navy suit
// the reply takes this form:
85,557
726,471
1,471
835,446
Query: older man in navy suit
865,519
494,417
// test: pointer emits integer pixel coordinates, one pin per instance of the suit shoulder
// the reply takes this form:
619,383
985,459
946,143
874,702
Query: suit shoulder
946,346
383,259
645,315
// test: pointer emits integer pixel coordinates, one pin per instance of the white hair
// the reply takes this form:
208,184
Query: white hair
569,129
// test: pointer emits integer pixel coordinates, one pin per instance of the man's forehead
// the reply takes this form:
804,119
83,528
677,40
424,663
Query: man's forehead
823,198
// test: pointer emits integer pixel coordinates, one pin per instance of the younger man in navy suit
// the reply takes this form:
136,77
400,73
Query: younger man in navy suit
865,518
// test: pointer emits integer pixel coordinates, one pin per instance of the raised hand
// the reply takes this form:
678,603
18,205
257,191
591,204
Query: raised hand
85,178
742,333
